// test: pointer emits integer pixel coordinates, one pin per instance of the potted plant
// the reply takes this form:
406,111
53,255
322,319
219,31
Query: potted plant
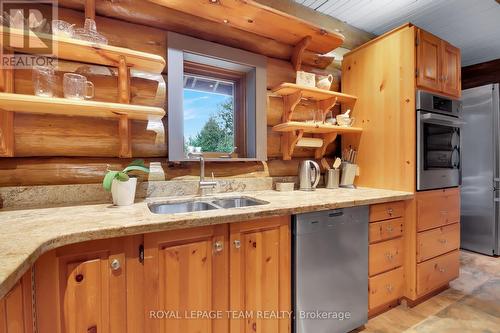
121,185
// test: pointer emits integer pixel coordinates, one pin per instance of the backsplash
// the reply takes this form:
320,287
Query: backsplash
61,195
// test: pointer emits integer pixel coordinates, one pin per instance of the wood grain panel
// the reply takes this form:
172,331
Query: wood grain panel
429,73
437,208
437,272
451,70
437,241
183,271
384,230
385,288
385,256
388,210
382,76
260,270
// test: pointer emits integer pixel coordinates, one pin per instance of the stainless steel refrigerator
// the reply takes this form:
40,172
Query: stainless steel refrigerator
480,139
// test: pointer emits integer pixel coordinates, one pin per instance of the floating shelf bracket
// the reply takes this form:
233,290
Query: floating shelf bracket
298,52
124,127
327,139
289,103
289,141
6,117
326,105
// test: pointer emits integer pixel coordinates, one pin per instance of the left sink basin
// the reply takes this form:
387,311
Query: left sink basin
180,207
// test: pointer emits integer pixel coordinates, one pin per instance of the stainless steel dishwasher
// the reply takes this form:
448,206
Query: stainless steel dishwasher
330,270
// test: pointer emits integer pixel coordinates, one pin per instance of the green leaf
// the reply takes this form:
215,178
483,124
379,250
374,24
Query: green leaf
108,180
122,176
137,163
136,168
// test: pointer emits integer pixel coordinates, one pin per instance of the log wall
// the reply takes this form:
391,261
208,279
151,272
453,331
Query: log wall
67,150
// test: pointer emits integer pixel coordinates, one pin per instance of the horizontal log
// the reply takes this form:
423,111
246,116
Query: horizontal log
71,170
149,14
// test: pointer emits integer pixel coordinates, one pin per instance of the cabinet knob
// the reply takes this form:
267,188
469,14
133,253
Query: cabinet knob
390,211
390,229
115,264
443,241
389,256
237,244
218,246
390,288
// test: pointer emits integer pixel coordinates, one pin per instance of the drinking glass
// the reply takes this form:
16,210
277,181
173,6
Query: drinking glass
63,28
76,86
43,81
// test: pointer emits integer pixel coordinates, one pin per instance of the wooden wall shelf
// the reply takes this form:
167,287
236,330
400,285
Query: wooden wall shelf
293,93
315,128
81,108
293,131
83,51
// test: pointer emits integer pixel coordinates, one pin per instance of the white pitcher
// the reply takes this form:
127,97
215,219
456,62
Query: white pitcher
325,83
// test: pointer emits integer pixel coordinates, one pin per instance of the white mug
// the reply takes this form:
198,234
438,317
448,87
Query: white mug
76,86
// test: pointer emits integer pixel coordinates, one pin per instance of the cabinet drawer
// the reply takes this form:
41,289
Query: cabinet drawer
385,256
437,208
385,287
435,242
437,272
380,231
385,211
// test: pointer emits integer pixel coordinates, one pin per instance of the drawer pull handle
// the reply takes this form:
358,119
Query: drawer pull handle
237,244
389,256
390,211
441,269
390,229
443,241
115,264
389,288
444,212
218,246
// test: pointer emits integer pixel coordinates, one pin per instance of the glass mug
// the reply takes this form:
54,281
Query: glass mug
76,86
43,81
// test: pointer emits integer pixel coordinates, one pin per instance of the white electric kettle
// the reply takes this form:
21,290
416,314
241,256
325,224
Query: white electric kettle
309,174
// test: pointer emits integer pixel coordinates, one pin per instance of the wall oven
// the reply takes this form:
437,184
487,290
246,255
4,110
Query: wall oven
438,141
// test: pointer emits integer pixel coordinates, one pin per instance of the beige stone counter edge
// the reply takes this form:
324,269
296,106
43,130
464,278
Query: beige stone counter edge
12,270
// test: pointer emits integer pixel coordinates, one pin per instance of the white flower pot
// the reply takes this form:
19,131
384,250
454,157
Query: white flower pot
123,192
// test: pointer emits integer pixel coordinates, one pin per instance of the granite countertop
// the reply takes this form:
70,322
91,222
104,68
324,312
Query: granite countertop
26,234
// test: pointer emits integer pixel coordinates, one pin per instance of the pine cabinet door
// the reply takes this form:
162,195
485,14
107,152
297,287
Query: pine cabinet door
260,275
428,61
452,84
84,288
186,279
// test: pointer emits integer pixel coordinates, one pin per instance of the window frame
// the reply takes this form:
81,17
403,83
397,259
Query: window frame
213,59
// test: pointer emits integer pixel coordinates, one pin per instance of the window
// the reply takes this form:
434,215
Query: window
216,100
214,110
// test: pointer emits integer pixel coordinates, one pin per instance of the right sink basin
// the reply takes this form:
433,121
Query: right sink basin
238,202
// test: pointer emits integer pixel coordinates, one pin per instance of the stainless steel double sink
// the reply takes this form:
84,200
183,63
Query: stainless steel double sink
197,205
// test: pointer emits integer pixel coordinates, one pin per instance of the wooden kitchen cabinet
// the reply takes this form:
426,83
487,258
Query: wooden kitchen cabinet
438,65
437,208
260,273
428,61
186,270
89,287
16,315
